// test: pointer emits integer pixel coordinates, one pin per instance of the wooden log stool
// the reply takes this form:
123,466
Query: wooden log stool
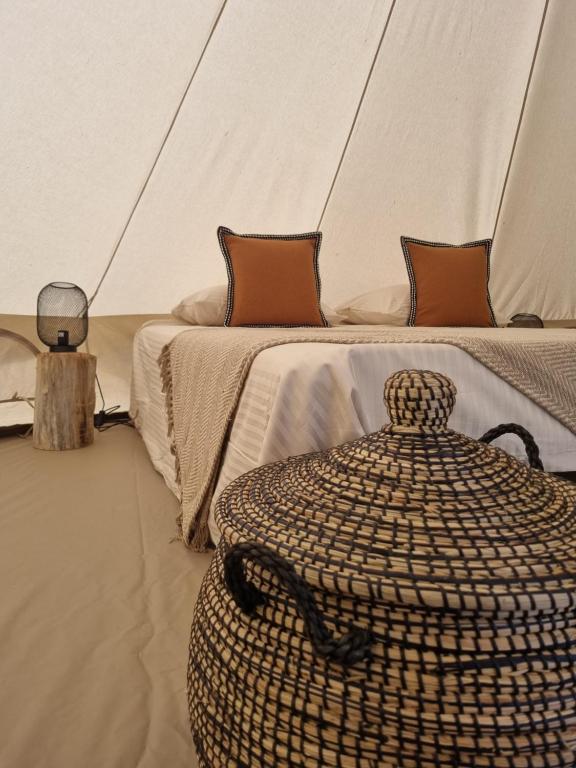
65,400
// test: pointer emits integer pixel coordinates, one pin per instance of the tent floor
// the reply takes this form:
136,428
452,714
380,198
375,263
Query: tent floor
95,610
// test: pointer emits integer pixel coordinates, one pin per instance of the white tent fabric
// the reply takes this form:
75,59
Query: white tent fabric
256,143
432,142
88,92
275,116
535,256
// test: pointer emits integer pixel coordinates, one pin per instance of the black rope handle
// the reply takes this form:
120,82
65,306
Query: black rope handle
532,450
347,649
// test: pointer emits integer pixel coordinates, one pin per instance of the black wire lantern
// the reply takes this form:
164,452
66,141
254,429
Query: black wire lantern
62,316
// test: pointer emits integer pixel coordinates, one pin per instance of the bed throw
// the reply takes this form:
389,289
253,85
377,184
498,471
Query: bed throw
203,371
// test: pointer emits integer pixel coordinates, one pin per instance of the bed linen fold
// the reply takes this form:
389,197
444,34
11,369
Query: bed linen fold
203,372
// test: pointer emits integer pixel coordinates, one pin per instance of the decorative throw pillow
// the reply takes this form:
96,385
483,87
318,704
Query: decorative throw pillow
384,306
208,307
448,283
273,280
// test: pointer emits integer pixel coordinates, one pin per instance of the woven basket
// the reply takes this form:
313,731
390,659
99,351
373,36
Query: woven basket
406,599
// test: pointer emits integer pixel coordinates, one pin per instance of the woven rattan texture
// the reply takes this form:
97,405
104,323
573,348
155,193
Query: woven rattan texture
460,563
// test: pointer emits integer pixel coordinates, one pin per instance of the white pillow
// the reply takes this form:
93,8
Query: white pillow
205,307
208,307
384,306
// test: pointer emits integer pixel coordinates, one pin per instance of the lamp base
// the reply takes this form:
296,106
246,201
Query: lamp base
63,348
65,400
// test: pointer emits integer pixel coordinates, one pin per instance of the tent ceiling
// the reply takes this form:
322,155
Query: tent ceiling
440,112
256,144
91,89
88,92
536,252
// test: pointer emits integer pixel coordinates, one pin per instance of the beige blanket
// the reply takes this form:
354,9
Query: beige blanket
203,372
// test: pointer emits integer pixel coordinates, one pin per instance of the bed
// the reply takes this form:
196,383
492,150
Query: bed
301,397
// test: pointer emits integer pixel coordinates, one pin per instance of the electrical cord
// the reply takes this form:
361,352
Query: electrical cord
124,423
104,413
101,394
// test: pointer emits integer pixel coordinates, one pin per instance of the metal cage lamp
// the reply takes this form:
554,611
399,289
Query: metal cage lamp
65,384
62,316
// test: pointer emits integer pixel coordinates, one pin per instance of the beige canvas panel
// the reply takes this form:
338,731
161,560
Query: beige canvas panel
255,146
89,90
535,250
432,142
261,134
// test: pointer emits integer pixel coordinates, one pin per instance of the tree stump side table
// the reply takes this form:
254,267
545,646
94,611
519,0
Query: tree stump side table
65,400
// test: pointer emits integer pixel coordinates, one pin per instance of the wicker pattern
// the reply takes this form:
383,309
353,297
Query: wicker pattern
407,599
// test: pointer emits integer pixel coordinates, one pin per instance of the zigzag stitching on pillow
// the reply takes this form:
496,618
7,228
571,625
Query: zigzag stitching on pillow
412,277
230,271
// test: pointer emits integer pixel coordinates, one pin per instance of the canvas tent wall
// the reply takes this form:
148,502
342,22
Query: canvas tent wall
136,128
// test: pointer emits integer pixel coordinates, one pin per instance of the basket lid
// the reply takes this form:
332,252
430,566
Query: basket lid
416,514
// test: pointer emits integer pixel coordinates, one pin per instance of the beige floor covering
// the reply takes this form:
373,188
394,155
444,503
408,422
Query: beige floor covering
95,609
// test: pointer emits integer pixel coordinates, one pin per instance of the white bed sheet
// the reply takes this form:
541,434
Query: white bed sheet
309,396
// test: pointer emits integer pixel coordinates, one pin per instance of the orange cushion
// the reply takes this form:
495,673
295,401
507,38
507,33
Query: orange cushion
272,279
448,283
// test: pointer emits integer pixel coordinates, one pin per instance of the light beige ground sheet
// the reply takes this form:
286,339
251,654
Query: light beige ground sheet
95,610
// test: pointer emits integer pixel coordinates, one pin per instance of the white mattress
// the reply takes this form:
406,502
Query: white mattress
306,397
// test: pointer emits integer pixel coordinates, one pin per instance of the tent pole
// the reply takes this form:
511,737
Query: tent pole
158,154
520,118
355,118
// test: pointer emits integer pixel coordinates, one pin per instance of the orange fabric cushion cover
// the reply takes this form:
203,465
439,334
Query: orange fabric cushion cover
449,284
273,280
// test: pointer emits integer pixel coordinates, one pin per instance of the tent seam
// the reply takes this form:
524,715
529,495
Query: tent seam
520,119
158,154
356,115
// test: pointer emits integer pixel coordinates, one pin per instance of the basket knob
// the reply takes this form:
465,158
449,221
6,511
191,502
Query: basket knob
418,400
